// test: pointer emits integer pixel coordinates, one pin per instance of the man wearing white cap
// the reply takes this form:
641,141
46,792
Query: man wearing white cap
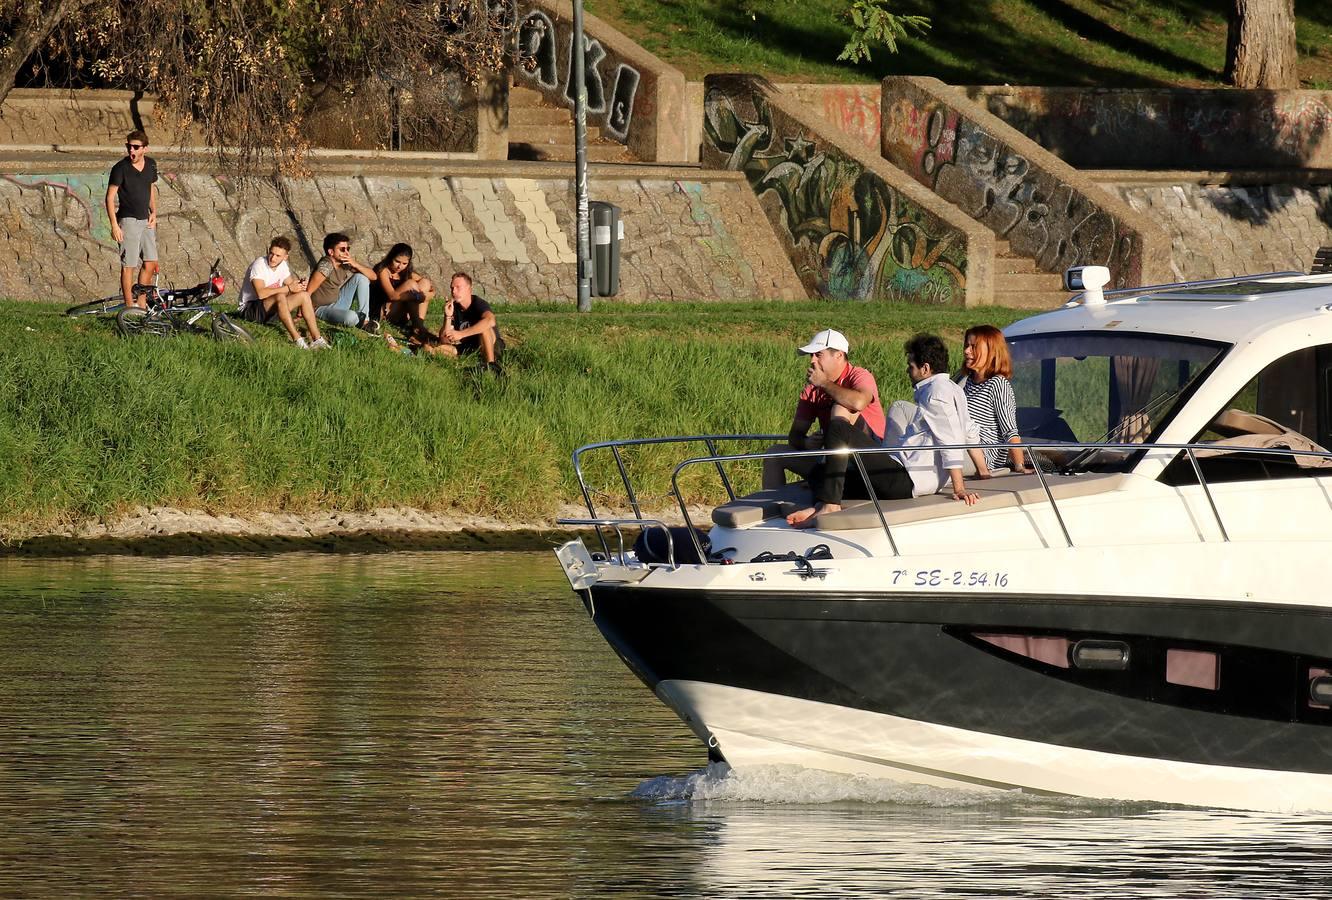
913,470
842,398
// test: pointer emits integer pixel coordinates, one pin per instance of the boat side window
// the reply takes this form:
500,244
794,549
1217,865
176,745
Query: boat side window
1285,407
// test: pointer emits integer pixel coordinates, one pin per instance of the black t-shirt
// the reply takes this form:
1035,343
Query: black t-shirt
466,318
135,188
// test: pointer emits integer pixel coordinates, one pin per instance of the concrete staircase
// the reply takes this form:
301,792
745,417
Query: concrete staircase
541,130
1018,283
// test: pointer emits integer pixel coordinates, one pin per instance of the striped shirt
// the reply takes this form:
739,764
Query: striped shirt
994,410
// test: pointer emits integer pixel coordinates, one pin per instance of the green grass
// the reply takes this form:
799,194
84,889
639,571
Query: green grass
92,426
1112,43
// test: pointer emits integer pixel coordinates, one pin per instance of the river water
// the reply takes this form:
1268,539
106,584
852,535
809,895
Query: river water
451,724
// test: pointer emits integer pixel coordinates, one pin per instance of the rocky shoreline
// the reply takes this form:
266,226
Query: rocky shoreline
165,531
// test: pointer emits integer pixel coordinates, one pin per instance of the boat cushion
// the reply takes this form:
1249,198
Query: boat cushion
999,492
768,504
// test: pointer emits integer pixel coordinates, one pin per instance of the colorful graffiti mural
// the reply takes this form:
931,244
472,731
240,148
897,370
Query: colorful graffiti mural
1043,216
540,40
850,234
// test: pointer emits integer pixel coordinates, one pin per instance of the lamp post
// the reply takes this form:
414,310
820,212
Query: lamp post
580,163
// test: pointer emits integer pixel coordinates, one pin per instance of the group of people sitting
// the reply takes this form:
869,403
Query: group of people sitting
975,406
345,292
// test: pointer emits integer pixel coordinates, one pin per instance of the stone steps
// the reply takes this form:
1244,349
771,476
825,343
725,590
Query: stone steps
540,130
1020,284
1030,299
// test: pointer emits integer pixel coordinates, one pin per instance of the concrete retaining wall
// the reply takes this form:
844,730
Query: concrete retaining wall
854,226
1170,128
1001,178
632,95
102,118
1227,224
689,235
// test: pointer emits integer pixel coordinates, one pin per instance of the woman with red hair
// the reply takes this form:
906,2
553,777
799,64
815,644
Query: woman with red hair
990,399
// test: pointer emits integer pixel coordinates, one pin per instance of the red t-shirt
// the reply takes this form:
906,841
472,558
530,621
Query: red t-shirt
815,403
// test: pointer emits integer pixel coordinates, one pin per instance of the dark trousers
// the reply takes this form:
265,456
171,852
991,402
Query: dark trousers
837,478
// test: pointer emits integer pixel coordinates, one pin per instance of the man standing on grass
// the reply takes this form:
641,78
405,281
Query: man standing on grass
131,205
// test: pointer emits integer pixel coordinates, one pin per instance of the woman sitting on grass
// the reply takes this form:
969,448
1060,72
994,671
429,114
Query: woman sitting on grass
401,292
984,378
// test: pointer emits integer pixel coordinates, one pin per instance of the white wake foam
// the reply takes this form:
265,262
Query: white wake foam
793,784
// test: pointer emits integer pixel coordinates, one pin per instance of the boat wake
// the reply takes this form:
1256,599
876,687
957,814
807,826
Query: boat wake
796,785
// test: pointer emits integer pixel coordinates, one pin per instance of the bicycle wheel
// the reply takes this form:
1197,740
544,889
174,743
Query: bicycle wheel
133,320
229,332
104,306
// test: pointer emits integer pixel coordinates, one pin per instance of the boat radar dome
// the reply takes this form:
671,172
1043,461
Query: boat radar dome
1089,280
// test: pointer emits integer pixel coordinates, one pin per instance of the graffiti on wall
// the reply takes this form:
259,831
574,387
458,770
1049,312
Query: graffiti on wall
856,111
850,234
1052,222
610,102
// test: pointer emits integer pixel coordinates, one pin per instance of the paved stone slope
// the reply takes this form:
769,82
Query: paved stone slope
689,235
1220,226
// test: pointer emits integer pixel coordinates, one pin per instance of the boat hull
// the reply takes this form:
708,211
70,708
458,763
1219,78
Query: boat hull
901,686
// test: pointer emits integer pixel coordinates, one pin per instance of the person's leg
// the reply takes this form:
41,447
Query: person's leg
898,418
487,346
337,315
830,482
126,287
427,290
148,250
282,305
774,469
130,259
300,300
353,304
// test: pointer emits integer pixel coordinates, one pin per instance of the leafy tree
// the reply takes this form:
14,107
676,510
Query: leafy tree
873,23
245,76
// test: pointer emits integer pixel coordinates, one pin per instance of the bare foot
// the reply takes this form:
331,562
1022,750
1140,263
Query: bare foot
802,518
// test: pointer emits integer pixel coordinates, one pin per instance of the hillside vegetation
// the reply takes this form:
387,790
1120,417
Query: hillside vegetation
92,425
1109,43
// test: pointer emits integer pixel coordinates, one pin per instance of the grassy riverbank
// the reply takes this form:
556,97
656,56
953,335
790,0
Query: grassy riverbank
92,426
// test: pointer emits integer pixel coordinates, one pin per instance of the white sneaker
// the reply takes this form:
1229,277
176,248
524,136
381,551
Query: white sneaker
300,342
320,344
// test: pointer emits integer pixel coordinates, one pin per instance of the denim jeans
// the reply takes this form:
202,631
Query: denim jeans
352,306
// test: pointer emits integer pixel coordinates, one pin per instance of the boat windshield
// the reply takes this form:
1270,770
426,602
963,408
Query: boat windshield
1115,388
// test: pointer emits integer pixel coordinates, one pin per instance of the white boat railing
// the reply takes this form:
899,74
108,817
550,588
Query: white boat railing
857,455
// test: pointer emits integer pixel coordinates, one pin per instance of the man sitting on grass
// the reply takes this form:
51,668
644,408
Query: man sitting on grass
270,289
469,326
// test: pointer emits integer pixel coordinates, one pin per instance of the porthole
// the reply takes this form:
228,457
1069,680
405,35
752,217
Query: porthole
1100,655
1320,691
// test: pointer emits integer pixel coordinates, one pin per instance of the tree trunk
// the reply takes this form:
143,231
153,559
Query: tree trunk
36,21
1260,45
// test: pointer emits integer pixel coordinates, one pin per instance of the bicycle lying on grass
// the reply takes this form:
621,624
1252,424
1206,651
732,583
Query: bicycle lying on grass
170,311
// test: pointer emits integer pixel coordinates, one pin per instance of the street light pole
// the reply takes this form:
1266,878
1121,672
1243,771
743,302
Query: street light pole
580,163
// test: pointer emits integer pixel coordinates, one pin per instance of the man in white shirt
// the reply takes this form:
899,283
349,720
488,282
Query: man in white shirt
269,288
940,418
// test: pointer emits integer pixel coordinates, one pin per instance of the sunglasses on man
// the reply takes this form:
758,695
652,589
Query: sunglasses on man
135,146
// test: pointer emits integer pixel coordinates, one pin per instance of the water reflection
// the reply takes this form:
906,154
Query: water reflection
451,724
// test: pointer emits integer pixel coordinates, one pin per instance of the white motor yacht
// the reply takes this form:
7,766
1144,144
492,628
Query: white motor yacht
1142,618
